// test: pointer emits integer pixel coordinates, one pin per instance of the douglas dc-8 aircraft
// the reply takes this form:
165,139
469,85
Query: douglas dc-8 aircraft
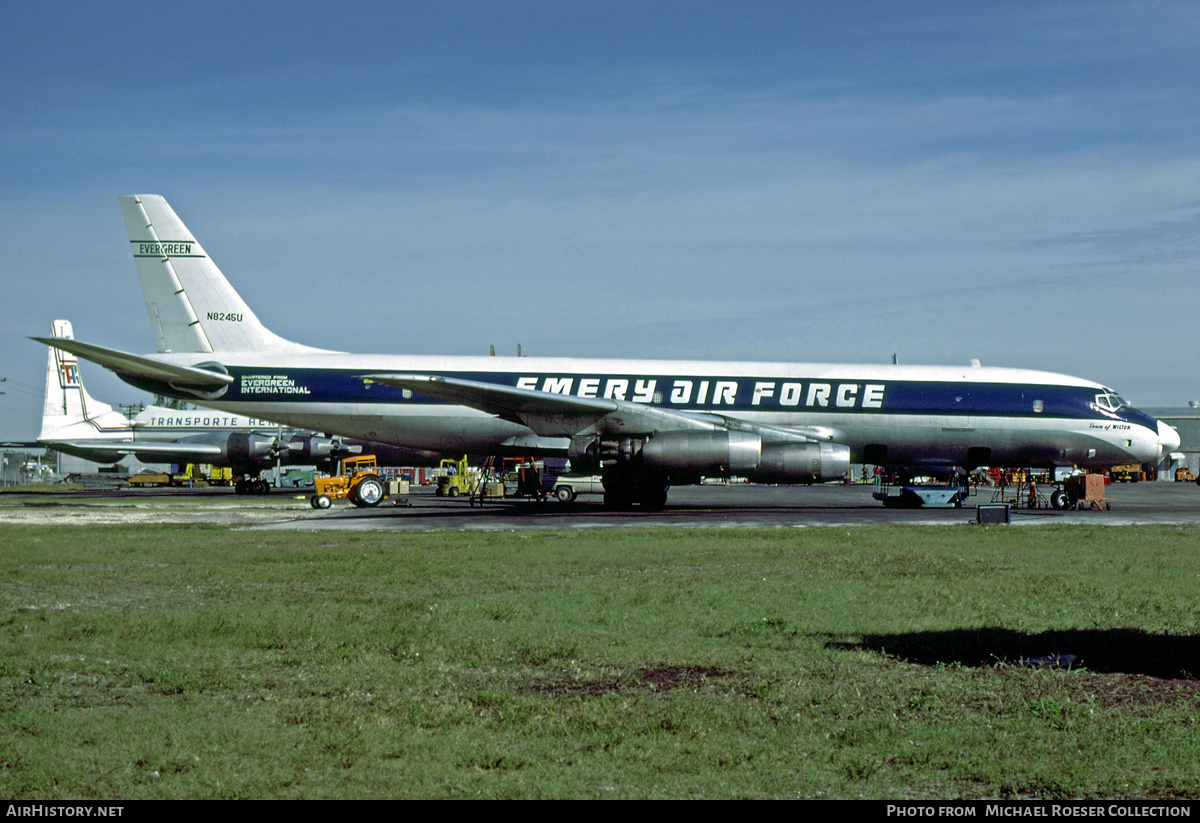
75,423
645,424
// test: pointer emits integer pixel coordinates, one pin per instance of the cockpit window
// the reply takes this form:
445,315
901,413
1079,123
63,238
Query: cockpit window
1111,400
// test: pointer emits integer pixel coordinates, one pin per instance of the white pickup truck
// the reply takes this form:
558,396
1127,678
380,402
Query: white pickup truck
568,486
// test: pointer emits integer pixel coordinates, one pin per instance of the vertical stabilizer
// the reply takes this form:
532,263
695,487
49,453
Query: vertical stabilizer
191,305
69,412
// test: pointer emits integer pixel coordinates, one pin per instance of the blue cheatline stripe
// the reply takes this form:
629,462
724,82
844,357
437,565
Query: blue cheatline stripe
695,393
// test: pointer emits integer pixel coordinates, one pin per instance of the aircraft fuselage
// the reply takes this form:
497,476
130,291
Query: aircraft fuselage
893,415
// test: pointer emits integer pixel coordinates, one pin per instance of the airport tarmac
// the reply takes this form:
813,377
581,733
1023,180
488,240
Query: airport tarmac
688,507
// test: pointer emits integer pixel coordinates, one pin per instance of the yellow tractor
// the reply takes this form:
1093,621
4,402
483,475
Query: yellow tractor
357,478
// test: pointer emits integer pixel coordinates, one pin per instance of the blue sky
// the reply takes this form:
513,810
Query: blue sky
1017,182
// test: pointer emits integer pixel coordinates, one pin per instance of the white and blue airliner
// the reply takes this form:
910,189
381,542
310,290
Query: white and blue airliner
644,424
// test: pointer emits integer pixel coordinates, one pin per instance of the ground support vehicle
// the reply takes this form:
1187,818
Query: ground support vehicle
455,479
896,490
357,479
1085,491
1127,473
566,487
220,476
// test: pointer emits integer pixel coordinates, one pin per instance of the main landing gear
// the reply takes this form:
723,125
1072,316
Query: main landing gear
251,485
627,486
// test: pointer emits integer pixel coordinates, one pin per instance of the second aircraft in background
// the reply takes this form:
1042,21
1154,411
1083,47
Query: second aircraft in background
75,423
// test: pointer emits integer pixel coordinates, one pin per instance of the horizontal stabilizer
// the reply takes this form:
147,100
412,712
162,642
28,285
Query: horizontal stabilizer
132,365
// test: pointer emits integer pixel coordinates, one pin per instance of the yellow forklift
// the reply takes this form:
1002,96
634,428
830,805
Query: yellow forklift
454,479
357,478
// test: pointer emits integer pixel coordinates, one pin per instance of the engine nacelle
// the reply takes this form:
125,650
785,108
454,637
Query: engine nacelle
745,454
311,448
802,463
733,452
584,454
249,447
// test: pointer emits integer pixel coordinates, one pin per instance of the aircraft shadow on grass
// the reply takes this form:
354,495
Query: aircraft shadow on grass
1108,651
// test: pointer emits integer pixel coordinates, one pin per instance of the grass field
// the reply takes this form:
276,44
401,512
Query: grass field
871,662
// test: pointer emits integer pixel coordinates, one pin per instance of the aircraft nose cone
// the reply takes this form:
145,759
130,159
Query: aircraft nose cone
1168,438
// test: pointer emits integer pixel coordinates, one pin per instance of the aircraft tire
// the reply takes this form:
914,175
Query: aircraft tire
653,498
620,487
618,499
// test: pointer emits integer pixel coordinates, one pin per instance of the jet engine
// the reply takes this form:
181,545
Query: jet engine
687,451
803,462
745,454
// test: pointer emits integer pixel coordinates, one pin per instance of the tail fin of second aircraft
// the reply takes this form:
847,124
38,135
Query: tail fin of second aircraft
191,305
70,412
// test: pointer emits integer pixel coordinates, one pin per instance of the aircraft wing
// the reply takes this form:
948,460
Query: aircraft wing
503,401
119,449
133,365
549,415
565,415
